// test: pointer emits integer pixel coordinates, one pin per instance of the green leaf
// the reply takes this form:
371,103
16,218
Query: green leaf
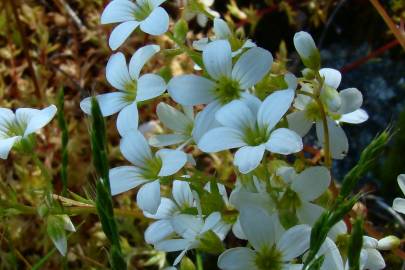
56,231
180,30
355,245
187,264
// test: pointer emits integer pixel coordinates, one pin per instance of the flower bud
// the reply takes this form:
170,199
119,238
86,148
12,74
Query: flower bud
306,48
331,98
388,243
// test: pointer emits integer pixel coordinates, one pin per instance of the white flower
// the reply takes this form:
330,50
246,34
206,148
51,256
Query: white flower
226,81
202,19
132,87
147,170
147,14
333,259
270,250
186,128
399,203
183,199
190,229
306,48
370,257
19,125
343,106
253,131
223,32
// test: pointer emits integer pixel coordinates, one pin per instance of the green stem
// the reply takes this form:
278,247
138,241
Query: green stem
199,261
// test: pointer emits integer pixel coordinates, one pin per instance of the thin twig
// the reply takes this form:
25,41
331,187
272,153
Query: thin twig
72,14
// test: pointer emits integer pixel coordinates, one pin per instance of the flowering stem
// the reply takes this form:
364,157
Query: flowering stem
199,261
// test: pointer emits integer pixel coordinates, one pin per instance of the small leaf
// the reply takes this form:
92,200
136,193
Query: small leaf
56,231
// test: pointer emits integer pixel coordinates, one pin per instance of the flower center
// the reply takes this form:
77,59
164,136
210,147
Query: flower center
312,111
152,169
131,90
255,136
16,128
227,90
143,9
269,259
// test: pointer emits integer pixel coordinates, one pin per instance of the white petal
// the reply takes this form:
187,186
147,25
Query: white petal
219,139
211,221
110,103
237,230
166,140
6,145
239,258
118,11
156,23
284,141
311,183
375,260
274,107
243,198
338,229
237,115
187,226
140,57
217,59
172,245
291,80
252,66
173,118
121,33
333,259
339,145
191,90
125,178
202,20
221,29
182,193
351,100
172,161
399,205
6,117
200,44
148,197
205,121
298,235
401,182
150,86
40,119
158,231
298,122
135,148
248,158
117,71
308,213
251,101
127,119
258,227
356,117
332,77
166,209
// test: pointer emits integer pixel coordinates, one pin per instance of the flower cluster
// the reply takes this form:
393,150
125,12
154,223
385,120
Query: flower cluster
277,198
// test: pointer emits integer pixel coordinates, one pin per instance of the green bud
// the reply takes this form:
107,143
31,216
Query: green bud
180,30
187,264
331,98
210,243
306,48
388,242
308,73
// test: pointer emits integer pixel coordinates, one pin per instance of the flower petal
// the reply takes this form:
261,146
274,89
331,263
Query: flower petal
6,118
237,115
182,194
173,118
110,103
188,226
140,57
332,77
308,213
357,117
166,140
121,33
375,260
205,121
118,11
252,66
148,197
156,23
274,107
333,259
351,100
40,119
172,161
125,178
158,231
135,148
219,139
311,183
127,119
150,86
248,158
401,182
284,141
166,209
6,145
298,122
217,58
339,145
260,234
191,90
221,29
239,258
117,71
251,101
299,235
399,205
